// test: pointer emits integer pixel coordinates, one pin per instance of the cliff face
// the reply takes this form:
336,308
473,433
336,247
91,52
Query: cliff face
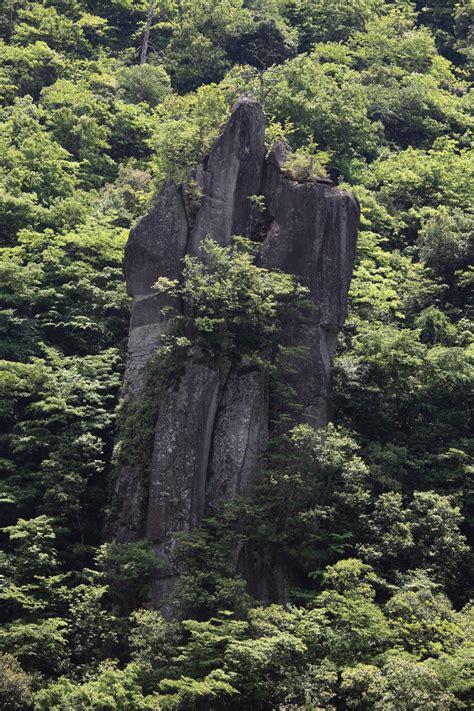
213,424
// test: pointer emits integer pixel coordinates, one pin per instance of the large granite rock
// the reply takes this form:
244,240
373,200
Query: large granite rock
312,234
239,435
183,438
155,248
230,175
212,426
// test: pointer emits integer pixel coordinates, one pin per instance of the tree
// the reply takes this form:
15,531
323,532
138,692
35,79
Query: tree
147,83
264,45
15,685
111,688
401,685
128,569
438,540
371,515
424,621
356,628
236,306
146,34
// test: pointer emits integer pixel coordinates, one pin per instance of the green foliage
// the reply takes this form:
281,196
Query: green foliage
128,569
192,38
64,290
401,684
315,484
41,646
137,415
445,242
56,427
207,581
306,165
93,631
424,622
402,380
358,628
236,306
111,689
267,42
328,105
153,642
295,657
187,692
184,131
335,21
372,516
46,615
145,83
32,540
15,685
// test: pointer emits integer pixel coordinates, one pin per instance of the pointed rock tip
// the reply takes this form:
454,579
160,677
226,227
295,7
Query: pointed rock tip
279,154
245,99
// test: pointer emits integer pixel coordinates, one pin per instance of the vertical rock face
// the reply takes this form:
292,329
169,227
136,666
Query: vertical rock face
311,235
232,172
212,426
155,248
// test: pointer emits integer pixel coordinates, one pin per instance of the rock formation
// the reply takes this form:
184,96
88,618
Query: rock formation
212,425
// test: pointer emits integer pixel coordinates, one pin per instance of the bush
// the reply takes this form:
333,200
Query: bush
15,686
145,82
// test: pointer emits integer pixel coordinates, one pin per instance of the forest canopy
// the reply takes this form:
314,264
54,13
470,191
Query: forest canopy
375,512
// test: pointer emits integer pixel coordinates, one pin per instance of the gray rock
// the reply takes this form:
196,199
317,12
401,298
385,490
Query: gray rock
212,426
158,243
155,248
183,437
240,434
312,234
129,497
230,176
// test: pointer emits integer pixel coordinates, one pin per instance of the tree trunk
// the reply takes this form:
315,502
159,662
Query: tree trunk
261,78
146,35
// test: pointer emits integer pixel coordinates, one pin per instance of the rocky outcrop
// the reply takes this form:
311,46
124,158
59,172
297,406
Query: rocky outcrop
312,235
212,426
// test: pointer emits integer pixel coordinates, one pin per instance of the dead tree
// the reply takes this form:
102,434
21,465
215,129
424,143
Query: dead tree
146,34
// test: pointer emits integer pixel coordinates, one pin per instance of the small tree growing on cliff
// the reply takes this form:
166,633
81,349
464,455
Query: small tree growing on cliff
234,307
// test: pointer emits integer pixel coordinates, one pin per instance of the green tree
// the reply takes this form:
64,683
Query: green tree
15,685
128,569
401,685
111,689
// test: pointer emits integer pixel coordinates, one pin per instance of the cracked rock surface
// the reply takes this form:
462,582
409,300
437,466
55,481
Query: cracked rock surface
212,426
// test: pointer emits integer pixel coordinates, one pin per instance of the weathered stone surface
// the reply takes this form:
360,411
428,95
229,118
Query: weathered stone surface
129,497
312,234
230,176
240,434
155,248
181,449
158,243
212,426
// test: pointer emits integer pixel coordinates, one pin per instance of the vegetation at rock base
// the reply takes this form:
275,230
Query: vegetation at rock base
373,515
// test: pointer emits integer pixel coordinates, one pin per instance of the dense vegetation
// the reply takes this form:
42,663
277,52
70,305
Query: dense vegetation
376,512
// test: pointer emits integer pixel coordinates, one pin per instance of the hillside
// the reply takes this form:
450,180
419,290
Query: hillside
369,517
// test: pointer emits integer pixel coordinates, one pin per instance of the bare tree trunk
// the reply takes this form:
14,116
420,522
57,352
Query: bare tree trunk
146,35
261,79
